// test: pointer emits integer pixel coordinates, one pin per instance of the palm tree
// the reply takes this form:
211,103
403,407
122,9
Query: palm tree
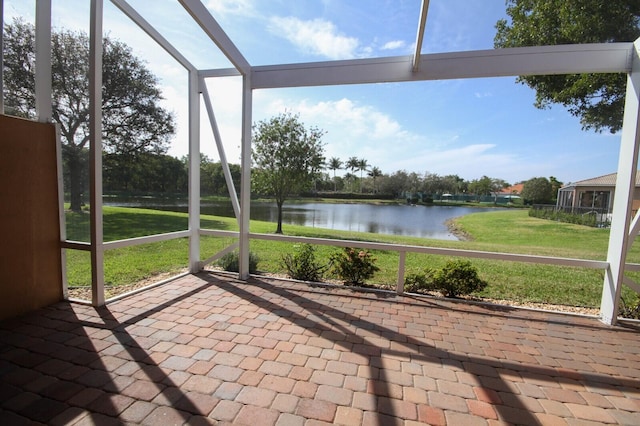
352,164
348,177
335,164
362,166
374,173
318,164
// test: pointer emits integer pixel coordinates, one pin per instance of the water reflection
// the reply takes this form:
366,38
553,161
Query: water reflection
419,221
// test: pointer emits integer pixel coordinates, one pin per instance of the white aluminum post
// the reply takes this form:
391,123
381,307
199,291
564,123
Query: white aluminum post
61,213
245,184
43,61
95,153
194,172
625,188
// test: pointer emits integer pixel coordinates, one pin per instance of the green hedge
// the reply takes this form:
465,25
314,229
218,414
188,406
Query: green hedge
587,219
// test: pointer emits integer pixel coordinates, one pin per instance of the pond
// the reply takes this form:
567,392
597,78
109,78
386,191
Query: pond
408,220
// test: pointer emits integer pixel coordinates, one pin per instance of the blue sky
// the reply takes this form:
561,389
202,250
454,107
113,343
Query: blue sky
466,127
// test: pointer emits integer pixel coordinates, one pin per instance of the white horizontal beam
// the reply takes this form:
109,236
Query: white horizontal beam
632,267
201,15
221,72
219,233
508,257
152,32
631,284
539,60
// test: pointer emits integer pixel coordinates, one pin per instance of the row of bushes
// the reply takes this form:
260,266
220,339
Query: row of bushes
355,266
587,219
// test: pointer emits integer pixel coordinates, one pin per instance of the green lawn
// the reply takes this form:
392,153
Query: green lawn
510,231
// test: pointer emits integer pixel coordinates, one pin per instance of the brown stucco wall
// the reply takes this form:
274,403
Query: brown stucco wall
30,265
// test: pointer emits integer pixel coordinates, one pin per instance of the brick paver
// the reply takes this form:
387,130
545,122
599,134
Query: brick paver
207,349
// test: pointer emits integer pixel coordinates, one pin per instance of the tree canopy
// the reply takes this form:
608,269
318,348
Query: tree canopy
487,186
597,99
537,190
287,158
133,122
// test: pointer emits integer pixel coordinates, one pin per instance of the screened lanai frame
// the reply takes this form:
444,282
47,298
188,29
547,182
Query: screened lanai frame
539,60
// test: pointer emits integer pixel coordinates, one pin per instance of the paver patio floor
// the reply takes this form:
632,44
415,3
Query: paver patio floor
207,349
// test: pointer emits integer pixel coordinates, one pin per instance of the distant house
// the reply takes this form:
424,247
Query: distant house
595,194
511,192
513,189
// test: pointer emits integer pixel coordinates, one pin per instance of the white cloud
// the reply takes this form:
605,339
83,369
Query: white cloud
231,7
315,37
393,45
345,119
352,128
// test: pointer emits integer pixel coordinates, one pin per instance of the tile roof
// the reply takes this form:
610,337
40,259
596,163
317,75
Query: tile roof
513,189
605,180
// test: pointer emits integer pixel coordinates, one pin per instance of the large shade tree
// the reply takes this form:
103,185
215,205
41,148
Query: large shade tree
537,190
487,186
133,122
286,157
597,99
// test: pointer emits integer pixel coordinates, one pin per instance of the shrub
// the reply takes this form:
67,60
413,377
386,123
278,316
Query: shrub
631,309
302,265
456,278
353,266
414,283
231,262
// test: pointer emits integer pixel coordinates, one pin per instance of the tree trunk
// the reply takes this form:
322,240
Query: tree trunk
279,228
75,180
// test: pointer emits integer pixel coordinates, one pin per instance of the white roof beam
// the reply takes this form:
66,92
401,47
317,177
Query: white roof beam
539,60
420,36
153,33
201,15
221,72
